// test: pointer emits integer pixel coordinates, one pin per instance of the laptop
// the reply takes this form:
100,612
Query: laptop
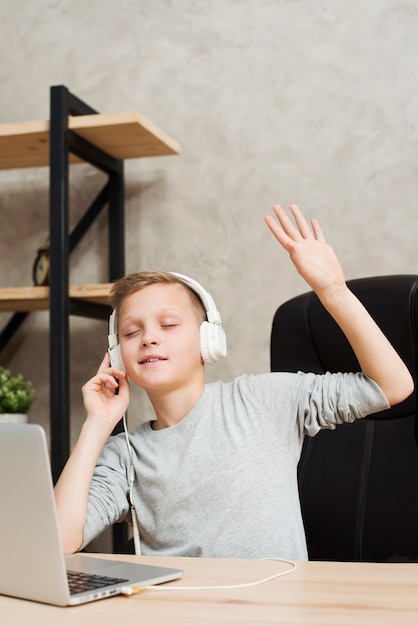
32,564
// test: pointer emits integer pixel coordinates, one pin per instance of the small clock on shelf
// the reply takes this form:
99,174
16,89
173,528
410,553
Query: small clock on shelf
40,270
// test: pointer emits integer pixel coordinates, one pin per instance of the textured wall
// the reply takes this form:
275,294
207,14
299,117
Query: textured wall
272,101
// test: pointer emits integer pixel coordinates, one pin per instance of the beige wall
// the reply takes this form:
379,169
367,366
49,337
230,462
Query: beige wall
285,101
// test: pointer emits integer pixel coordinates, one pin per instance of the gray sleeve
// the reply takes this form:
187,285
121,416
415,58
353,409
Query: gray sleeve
312,402
108,496
331,399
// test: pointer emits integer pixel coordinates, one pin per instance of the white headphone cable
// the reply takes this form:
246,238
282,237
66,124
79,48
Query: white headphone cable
135,528
128,591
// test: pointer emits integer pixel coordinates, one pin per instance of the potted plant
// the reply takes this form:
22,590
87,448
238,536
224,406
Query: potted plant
16,397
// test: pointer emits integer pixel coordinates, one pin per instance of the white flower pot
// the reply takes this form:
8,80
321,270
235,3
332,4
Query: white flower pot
13,418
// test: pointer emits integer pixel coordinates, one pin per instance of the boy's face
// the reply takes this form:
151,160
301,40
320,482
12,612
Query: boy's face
159,334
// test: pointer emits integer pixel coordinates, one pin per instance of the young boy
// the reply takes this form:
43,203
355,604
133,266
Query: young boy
215,473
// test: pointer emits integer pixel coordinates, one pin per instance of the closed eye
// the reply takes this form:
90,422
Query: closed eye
131,333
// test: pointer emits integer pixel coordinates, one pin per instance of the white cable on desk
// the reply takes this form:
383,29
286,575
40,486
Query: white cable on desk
133,590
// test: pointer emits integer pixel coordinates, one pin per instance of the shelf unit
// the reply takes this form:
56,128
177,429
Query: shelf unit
74,133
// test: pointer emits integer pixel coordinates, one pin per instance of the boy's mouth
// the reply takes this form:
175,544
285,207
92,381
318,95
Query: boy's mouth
152,359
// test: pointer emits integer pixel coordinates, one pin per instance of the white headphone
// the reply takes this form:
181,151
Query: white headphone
212,335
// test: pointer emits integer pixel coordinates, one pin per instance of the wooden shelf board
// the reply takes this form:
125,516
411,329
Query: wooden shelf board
37,298
122,135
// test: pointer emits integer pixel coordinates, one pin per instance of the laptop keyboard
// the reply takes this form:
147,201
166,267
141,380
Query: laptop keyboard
79,581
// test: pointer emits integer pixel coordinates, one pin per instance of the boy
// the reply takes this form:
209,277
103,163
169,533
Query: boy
215,473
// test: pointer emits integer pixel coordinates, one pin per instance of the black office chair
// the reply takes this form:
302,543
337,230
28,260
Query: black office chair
359,483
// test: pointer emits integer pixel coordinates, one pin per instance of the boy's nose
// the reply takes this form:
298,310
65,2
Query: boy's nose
149,340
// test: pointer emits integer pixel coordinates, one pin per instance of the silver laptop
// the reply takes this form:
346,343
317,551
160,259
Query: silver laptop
32,565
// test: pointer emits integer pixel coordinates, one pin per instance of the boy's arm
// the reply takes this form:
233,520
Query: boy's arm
317,263
104,410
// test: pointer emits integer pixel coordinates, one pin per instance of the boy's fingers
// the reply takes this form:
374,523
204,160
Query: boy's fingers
105,362
301,222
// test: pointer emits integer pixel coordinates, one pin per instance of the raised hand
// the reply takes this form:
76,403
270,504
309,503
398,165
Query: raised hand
315,260
312,256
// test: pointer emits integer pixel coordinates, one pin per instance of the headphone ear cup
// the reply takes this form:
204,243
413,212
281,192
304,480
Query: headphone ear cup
212,342
116,357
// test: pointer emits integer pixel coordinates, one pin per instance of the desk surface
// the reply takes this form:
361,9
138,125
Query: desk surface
349,594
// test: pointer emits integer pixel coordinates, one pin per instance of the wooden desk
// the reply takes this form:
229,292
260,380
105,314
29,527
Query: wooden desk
349,594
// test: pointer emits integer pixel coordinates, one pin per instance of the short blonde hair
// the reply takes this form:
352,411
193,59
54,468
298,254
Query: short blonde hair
131,283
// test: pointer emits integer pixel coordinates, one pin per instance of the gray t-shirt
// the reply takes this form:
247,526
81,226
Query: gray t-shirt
223,481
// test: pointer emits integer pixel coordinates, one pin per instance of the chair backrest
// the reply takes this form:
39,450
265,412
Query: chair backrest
359,483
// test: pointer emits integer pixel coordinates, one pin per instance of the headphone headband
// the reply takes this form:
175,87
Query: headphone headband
212,312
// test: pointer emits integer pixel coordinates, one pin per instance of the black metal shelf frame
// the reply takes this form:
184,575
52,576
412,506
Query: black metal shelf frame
63,142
